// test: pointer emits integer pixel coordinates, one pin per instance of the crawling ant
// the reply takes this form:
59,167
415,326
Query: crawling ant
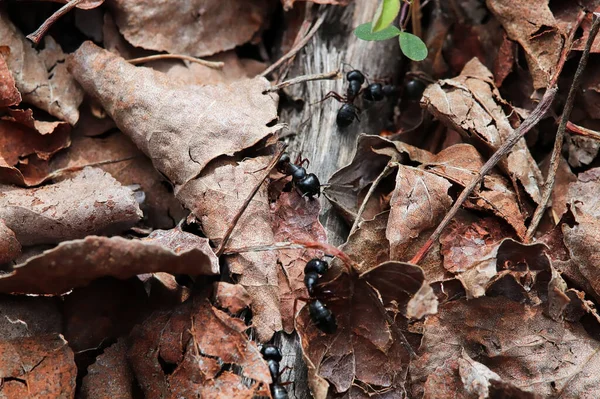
322,317
273,356
307,184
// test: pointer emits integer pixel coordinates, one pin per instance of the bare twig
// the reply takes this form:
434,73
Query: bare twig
372,189
416,17
278,246
240,212
533,118
582,131
210,64
567,48
298,47
305,78
560,133
36,36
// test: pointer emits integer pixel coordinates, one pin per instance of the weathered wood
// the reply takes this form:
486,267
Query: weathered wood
316,135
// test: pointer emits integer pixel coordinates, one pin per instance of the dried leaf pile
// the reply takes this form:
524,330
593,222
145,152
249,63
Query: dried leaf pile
144,254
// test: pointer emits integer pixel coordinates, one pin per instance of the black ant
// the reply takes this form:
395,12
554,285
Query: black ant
273,356
322,317
307,184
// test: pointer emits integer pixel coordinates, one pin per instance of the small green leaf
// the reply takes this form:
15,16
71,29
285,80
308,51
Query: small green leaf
412,46
364,32
384,16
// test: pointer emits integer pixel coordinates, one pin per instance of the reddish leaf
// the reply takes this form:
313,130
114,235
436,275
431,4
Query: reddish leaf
9,95
26,316
110,376
232,297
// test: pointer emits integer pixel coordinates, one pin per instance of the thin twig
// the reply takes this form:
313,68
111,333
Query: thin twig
298,47
278,246
566,50
75,168
583,131
305,78
416,17
372,189
210,64
36,36
240,212
560,133
533,118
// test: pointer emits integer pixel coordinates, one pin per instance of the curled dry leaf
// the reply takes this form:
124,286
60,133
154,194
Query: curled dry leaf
532,25
37,367
110,376
471,105
9,95
519,343
42,78
10,248
26,316
76,263
196,341
199,28
25,118
181,128
295,218
91,202
232,297
215,199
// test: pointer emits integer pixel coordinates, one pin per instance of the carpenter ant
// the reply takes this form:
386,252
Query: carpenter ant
307,184
322,317
413,89
348,111
273,356
377,92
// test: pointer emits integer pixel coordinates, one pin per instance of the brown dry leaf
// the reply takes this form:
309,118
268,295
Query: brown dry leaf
42,78
24,153
581,150
25,118
460,163
9,95
26,316
419,202
196,341
37,367
519,343
91,202
181,128
504,61
10,248
77,263
289,4
129,166
371,156
110,376
471,105
215,199
532,25
369,242
581,239
232,297
295,218
198,29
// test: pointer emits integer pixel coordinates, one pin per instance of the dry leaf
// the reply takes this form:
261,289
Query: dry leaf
10,248
199,28
471,105
369,242
76,263
9,95
289,4
180,128
110,376
26,316
91,202
37,367
232,297
42,78
532,25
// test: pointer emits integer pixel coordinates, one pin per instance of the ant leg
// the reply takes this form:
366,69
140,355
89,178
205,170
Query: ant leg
332,94
298,299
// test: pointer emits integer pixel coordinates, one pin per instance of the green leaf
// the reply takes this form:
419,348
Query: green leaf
384,16
364,32
412,46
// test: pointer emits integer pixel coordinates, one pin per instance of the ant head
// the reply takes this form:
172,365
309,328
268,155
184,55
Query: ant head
283,163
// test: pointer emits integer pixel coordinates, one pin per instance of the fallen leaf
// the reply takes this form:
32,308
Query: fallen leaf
37,367
42,78
518,342
581,150
369,242
26,316
9,95
532,25
180,128
76,263
91,202
232,297
25,117
110,376
10,248
504,60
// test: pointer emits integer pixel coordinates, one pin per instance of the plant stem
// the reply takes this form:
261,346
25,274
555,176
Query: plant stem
210,64
305,78
36,36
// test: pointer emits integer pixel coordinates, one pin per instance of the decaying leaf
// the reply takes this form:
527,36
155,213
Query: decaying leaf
91,202
42,78
180,128
37,367
532,25
232,297
195,341
110,376
471,105
10,247
517,342
199,28
9,95
76,263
